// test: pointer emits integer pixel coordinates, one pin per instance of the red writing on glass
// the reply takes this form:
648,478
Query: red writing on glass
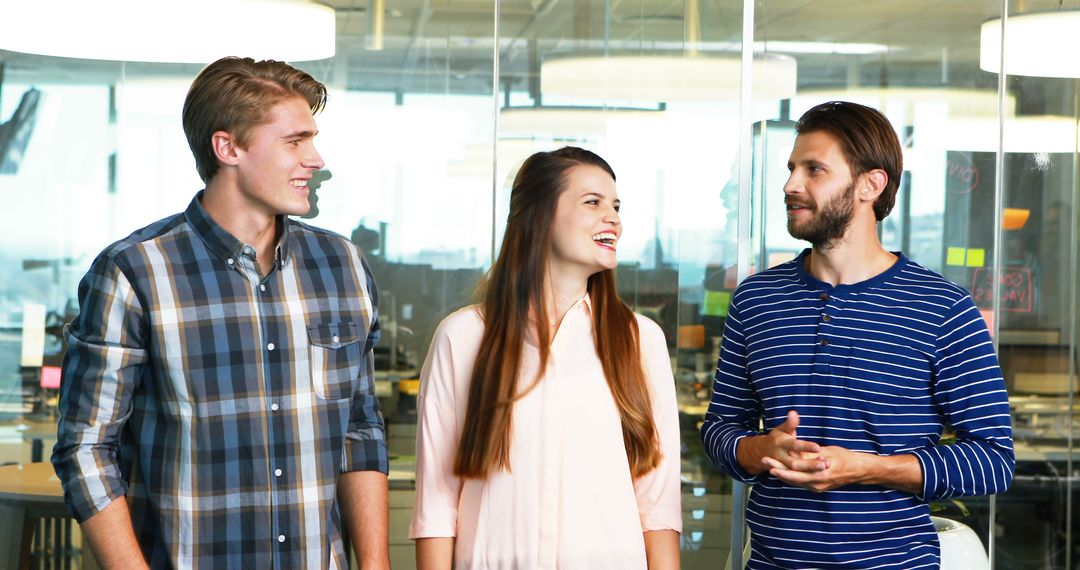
1014,289
962,173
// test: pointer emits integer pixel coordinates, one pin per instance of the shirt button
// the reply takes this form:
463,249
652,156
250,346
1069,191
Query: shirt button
249,250
824,296
336,339
826,318
281,538
262,287
824,342
270,346
230,261
277,472
273,407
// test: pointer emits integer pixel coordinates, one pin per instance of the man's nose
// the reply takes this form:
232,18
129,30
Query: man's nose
793,185
314,160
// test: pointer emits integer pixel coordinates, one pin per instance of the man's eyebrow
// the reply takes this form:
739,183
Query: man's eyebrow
300,135
805,162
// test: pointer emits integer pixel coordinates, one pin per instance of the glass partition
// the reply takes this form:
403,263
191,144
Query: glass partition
1036,298
986,200
434,105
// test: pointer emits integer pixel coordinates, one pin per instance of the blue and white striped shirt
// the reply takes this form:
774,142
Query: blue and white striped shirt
881,366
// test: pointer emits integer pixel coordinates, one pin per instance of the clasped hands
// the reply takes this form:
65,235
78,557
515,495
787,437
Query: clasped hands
798,462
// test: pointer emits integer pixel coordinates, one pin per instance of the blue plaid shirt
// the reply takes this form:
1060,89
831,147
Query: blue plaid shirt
222,404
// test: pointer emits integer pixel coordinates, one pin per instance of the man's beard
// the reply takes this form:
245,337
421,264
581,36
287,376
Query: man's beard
830,222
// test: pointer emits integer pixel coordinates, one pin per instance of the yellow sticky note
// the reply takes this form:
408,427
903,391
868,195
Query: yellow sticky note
976,257
955,256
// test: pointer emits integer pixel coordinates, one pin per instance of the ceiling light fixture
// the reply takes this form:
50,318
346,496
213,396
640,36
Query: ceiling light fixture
960,102
665,77
192,31
567,123
1038,44
839,48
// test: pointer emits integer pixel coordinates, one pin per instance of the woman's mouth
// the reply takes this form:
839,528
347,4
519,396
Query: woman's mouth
606,239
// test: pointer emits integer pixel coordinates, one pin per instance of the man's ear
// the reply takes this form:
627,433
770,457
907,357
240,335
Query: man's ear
873,184
225,148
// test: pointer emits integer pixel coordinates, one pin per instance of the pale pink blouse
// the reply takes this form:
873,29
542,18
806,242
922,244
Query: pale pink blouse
569,502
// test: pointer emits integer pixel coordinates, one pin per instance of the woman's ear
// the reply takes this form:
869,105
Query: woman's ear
225,149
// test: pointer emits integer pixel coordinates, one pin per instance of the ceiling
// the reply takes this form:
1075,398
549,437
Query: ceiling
445,46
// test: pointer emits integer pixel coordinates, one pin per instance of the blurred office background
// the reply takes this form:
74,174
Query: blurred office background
433,106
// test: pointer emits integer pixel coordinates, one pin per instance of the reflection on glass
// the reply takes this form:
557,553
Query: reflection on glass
420,182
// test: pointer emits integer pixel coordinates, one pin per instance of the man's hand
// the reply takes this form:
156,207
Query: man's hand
781,447
846,467
842,467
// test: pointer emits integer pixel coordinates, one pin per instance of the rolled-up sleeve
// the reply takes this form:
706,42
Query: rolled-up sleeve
969,391
658,492
365,440
103,366
437,433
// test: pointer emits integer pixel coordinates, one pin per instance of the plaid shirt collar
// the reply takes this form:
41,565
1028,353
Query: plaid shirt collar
222,243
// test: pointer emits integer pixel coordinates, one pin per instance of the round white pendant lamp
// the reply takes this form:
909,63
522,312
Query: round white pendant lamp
665,77
1038,44
181,31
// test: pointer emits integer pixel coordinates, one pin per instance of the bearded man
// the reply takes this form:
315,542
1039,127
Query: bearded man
840,370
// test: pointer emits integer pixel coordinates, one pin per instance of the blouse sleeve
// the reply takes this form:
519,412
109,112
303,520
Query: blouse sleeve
437,436
658,491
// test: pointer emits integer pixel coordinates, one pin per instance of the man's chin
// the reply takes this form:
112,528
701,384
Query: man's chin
305,211
796,233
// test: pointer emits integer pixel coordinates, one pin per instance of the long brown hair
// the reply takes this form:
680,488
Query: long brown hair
514,290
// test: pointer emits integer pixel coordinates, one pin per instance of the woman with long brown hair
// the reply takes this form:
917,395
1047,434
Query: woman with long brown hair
548,433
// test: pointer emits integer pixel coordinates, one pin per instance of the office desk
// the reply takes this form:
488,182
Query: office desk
27,493
31,492
37,433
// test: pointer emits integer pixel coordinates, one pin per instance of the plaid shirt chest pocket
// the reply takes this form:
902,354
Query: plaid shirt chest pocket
335,351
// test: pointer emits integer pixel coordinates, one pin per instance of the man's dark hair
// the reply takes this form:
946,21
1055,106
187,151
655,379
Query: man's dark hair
867,140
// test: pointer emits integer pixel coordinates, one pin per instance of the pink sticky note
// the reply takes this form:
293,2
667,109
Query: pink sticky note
988,316
50,377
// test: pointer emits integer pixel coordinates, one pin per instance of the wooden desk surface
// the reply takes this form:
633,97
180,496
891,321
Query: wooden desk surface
30,484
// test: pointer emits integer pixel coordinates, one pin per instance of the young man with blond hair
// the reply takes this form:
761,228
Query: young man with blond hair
218,405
